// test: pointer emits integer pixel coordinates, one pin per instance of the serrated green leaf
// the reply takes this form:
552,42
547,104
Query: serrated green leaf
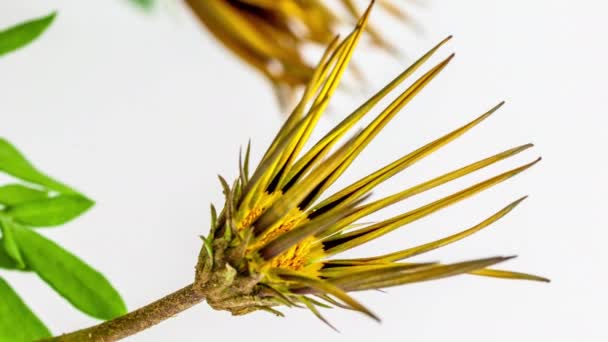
13,194
17,322
15,164
9,243
18,36
51,211
85,288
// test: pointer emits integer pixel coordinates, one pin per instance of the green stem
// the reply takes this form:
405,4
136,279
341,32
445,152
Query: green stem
138,320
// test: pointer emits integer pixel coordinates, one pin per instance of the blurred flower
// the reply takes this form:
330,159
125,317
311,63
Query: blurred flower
270,35
275,242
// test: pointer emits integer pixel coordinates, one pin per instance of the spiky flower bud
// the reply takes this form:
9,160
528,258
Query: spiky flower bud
275,241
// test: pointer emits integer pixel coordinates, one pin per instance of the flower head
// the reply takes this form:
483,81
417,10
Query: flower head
277,239
270,35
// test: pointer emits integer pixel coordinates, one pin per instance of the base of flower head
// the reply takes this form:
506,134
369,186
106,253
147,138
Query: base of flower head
224,287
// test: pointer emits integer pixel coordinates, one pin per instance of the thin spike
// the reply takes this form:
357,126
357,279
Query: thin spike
427,247
359,270
319,304
369,182
333,136
242,176
246,164
213,216
272,311
311,88
432,273
278,295
376,273
493,273
316,312
420,188
324,287
329,300
372,130
253,187
350,240
320,104
295,195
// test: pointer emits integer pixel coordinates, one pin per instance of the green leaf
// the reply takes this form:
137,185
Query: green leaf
6,261
85,288
13,194
15,164
18,36
9,243
50,211
17,322
145,4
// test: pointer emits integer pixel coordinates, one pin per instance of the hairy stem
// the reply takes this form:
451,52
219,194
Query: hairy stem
138,320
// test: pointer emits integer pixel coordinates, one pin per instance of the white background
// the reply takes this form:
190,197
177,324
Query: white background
141,112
